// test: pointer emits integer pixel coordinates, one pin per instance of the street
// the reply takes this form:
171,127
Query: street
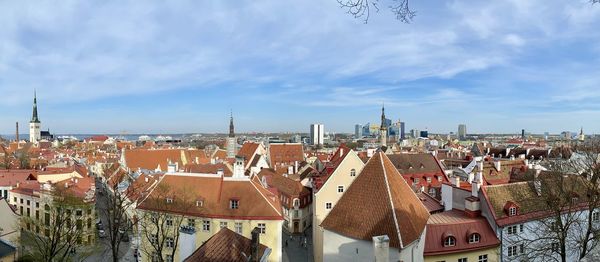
294,249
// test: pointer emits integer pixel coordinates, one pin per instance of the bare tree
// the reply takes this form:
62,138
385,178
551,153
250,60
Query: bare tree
362,9
54,234
567,203
162,220
115,207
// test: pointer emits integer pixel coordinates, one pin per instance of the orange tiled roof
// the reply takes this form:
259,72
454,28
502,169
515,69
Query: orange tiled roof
285,153
255,202
151,159
379,202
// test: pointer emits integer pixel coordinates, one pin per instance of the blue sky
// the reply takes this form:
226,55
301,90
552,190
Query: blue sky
178,66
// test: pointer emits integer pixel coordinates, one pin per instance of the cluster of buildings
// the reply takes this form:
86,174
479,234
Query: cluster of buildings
442,201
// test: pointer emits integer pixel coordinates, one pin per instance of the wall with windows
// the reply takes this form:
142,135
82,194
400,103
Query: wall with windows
328,195
483,255
207,227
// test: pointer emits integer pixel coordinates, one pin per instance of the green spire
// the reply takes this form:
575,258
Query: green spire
34,117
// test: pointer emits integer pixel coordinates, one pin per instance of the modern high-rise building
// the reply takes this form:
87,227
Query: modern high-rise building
358,131
35,125
317,133
462,131
402,131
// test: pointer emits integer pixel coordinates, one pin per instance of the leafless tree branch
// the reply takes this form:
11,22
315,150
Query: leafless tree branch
362,9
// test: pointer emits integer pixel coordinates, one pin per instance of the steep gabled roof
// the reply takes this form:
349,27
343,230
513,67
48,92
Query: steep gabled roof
225,246
379,202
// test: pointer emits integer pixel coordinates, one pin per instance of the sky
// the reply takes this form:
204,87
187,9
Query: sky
183,66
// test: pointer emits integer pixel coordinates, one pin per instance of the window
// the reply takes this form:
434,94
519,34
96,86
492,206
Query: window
206,225
238,227
199,203
169,200
521,228
483,258
21,201
474,238
554,247
262,227
512,251
78,212
296,202
169,258
353,172
432,192
223,224
234,203
416,180
574,200
464,259
191,222
440,178
327,205
428,179
340,189
170,242
512,211
79,224
153,238
169,221
37,214
37,204
28,202
15,199
596,216
512,230
449,242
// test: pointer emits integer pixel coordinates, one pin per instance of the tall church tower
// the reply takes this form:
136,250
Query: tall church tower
383,128
231,140
34,124
581,135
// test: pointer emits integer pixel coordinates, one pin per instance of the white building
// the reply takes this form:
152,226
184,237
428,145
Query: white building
317,133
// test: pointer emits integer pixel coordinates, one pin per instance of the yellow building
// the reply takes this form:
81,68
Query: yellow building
489,255
330,185
210,202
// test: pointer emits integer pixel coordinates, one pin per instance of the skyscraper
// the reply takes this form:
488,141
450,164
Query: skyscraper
358,130
317,132
462,131
402,131
35,124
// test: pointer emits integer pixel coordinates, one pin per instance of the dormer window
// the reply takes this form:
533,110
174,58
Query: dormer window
353,172
428,179
449,241
512,211
169,200
416,180
199,203
474,238
234,204
440,178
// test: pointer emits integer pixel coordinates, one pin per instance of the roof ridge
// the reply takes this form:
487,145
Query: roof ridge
265,197
387,184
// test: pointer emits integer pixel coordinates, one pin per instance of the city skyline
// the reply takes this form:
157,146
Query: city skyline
164,69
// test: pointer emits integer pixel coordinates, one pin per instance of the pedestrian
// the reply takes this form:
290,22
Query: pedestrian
286,243
305,242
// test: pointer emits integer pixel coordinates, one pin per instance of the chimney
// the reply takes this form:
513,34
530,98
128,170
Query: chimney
197,160
381,248
290,170
220,172
457,181
498,165
296,166
17,133
255,245
146,179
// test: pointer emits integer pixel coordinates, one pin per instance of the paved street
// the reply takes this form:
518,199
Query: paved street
295,249
103,252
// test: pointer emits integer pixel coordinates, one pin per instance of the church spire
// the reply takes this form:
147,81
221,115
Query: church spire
231,133
34,117
383,125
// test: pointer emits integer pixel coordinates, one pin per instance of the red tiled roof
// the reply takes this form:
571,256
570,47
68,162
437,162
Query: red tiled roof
379,202
291,188
12,177
208,169
433,205
225,246
254,200
285,153
151,159
456,223
248,150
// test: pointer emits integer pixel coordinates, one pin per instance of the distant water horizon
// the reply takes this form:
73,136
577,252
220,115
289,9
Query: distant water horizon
128,137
